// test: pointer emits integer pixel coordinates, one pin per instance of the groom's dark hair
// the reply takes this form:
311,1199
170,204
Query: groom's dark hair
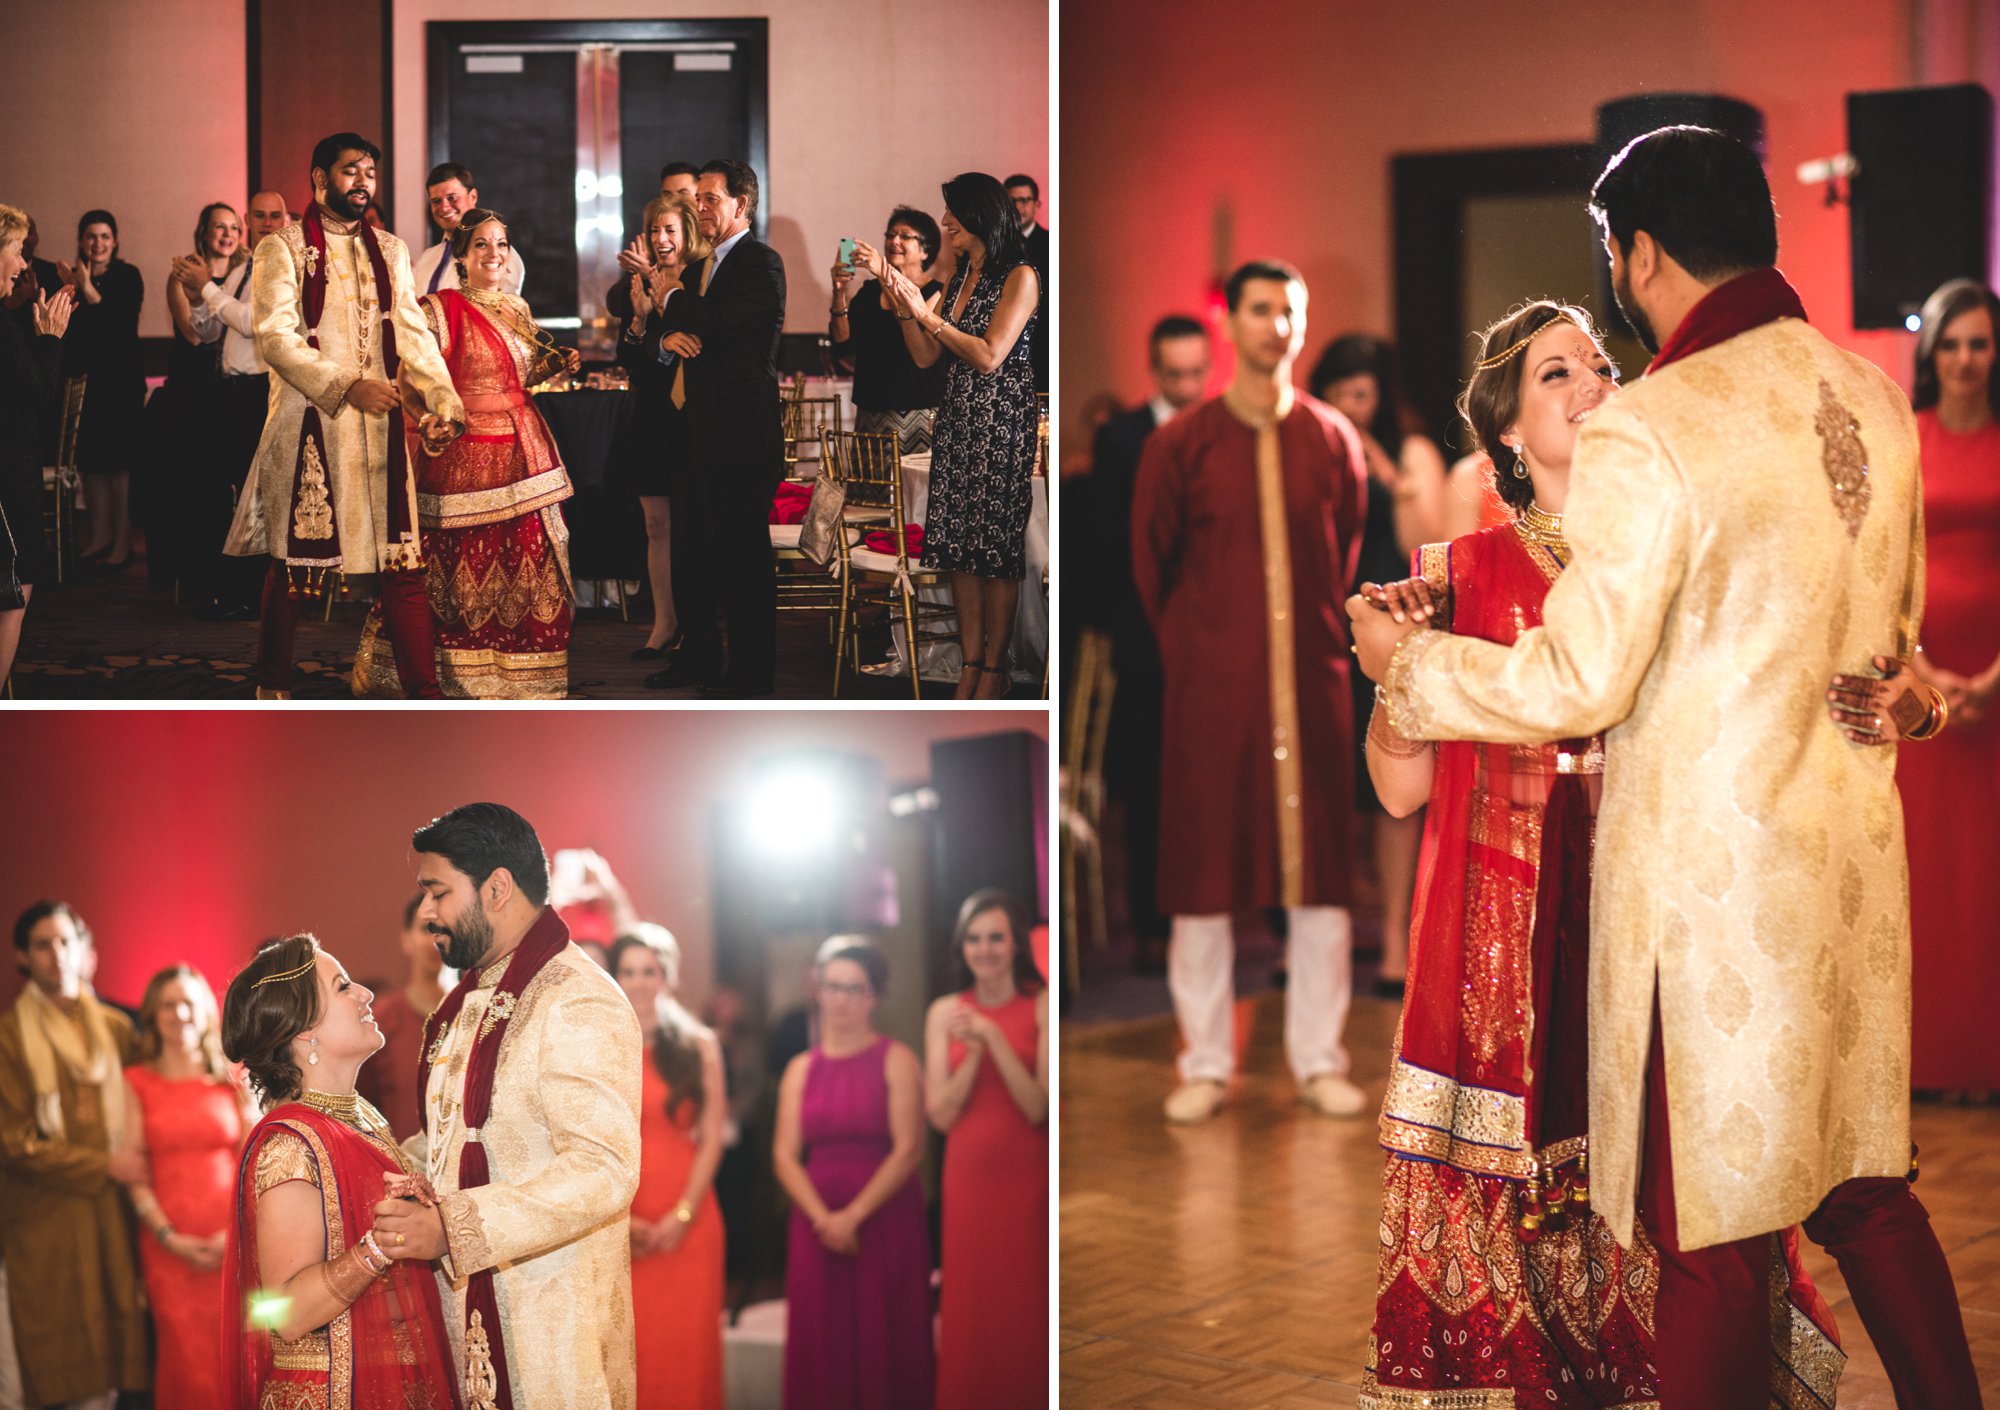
481,838
1700,194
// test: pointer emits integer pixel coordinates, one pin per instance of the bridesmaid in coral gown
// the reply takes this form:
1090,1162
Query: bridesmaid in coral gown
850,1136
677,1235
1951,786
987,1082
194,1122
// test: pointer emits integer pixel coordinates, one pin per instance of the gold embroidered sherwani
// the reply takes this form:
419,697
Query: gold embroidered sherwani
562,1142
350,348
1731,554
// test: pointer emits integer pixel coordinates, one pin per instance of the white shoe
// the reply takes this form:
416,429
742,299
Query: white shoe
1333,1096
1192,1103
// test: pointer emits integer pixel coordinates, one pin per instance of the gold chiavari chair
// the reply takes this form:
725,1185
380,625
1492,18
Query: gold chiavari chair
1086,727
61,481
870,468
805,418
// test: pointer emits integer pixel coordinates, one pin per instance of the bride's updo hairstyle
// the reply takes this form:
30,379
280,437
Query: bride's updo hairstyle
273,1000
1492,399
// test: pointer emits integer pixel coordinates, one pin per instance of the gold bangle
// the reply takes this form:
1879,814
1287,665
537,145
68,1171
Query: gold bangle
1934,721
347,1277
1383,736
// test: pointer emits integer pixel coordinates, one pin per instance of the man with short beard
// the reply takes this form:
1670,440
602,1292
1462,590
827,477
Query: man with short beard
332,492
530,1147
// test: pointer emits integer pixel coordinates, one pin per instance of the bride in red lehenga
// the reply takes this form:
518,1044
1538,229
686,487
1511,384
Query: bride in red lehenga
496,553
1496,1284
325,1316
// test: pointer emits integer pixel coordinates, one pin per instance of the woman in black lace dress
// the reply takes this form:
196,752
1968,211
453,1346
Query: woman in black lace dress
983,447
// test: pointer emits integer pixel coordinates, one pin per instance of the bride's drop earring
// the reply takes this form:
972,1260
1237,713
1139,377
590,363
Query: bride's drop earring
313,1056
1520,465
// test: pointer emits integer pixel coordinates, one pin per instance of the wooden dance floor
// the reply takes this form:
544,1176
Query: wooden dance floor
1233,1264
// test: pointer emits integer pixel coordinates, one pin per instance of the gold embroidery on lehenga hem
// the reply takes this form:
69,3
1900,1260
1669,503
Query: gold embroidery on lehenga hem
477,599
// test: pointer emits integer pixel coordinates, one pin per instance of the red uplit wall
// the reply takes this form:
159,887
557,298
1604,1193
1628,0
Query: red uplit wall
1194,139
191,835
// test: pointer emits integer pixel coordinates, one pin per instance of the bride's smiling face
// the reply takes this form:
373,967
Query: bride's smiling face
346,1027
1565,376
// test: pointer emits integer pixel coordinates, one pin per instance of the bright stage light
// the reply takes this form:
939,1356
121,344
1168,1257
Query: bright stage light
793,811
586,186
1914,323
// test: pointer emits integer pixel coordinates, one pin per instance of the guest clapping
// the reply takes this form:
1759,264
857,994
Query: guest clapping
103,345
892,393
983,448
850,1135
192,1120
677,1236
986,1058
30,367
650,456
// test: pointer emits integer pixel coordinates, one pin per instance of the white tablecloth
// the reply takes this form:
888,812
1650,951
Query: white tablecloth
940,660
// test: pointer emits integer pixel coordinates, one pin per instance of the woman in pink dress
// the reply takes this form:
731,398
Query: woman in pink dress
193,1120
1951,786
849,1139
677,1235
986,1051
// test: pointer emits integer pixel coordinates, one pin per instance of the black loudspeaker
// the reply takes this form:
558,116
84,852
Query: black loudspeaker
992,816
1918,200
1622,119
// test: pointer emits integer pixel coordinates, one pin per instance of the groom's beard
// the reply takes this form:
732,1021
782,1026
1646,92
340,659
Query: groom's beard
465,945
1634,315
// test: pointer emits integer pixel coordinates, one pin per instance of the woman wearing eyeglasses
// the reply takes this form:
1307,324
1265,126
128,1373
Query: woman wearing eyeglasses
850,1135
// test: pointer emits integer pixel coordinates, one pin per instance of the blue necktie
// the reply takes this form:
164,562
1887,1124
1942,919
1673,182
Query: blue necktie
438,273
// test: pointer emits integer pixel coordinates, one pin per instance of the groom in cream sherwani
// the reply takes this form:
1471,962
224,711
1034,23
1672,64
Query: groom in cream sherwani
1746,522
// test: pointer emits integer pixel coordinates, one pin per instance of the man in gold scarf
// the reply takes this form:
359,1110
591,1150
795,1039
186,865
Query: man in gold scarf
64,1231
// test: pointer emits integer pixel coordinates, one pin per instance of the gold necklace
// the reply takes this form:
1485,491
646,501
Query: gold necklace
346,1108
1538,527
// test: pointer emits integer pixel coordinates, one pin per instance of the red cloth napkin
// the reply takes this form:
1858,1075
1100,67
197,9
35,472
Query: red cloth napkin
788,506
883,541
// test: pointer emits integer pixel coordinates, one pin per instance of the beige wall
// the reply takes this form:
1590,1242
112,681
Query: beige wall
965,89
134,108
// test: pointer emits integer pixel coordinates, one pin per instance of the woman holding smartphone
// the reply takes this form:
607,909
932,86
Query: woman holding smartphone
891,391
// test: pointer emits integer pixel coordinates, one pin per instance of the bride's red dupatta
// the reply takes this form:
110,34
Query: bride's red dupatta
390,1350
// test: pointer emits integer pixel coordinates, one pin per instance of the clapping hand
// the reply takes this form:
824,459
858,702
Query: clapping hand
52,311
967,1025
193,274
903,294
633,259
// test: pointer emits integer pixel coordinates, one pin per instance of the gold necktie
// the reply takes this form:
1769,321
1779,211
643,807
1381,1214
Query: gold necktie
681,371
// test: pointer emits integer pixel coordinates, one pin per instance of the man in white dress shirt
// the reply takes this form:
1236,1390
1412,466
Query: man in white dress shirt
225,588
452,194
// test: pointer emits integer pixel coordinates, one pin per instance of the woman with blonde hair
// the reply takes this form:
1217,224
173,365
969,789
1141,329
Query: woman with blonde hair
192,1121
650,457
30,371
677,1234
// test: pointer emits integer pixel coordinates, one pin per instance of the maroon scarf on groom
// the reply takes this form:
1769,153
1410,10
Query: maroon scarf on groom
545,939
1745,302
312,536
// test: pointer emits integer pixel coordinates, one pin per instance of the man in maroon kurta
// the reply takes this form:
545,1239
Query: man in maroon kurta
1246,520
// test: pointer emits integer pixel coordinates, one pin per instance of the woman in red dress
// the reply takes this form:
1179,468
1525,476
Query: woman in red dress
986,1079
496,552
1951,787
677,1234
192,1122
327,1316
1494,1278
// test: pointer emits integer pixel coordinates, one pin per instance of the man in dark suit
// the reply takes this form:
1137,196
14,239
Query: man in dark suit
1026,195
1179,363
722,325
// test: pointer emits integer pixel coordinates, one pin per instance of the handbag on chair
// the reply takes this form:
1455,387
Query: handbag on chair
819,533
